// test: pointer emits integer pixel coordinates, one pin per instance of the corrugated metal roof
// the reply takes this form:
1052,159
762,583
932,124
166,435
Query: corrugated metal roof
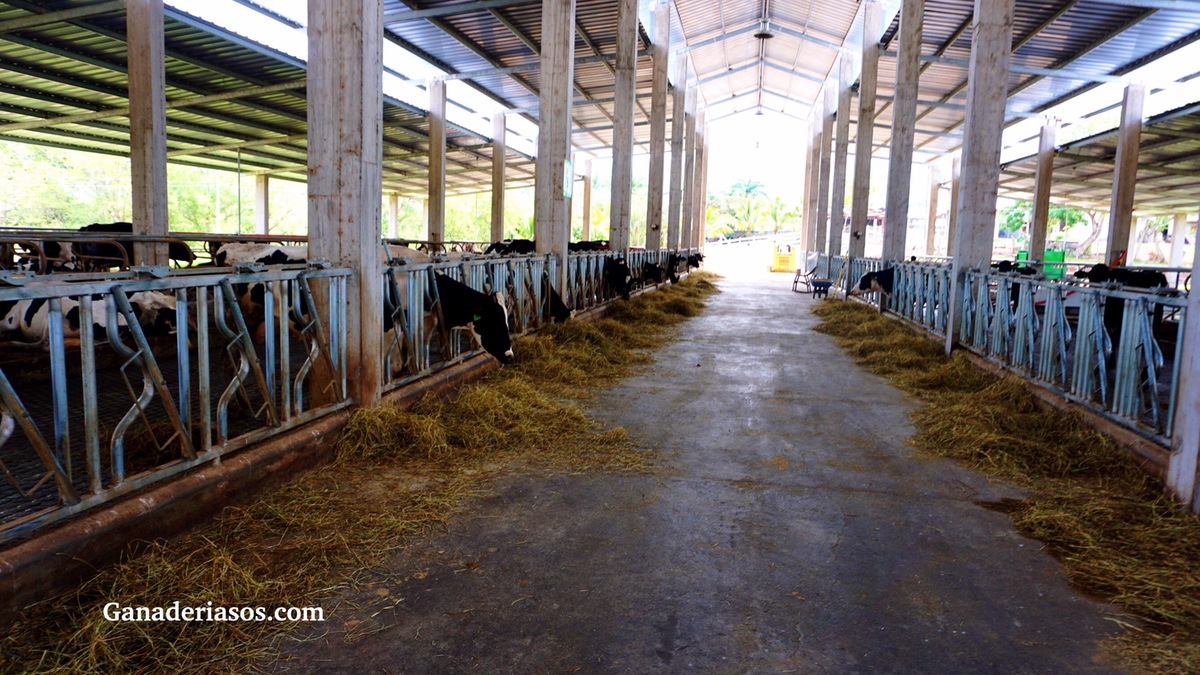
78,67
1168,178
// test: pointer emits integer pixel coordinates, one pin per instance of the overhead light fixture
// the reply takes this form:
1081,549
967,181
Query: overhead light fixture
764,31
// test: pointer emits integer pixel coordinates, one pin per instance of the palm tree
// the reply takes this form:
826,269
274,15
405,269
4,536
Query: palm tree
780,213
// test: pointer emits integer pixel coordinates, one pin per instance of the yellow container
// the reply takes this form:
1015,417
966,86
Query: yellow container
784,260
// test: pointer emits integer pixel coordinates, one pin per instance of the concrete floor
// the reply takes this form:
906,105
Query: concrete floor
792,532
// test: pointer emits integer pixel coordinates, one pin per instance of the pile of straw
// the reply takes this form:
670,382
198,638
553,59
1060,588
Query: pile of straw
397,473
1116,531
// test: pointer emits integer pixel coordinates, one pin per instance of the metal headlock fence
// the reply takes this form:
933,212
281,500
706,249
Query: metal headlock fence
127,379
1109,348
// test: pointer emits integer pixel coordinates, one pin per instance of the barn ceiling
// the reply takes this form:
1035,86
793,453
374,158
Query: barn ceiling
239,103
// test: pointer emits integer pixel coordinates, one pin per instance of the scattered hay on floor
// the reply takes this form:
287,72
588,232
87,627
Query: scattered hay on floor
397,473
1117,532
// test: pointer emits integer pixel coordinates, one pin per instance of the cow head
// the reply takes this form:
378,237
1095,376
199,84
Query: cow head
489,327
491,324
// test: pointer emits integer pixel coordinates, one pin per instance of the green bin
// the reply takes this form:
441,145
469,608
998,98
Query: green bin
1051,271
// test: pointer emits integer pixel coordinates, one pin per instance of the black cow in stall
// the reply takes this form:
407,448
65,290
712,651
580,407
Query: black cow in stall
674,263
587,246
1010,267
694,260
511,247
883,281
559,312
653,273
104,255
617,277
483,315
1114,308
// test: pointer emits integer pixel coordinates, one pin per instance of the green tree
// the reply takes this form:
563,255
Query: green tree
781,214
1014,217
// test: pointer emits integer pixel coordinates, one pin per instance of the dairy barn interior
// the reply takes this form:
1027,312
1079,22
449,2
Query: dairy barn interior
912,448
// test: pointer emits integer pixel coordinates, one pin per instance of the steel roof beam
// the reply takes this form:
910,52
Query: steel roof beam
474,47
1025,70
1067,61
752,28
450,10
171,105
61,16
794,73
1181,5
524,67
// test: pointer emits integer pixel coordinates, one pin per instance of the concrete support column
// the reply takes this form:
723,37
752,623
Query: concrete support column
147,126
262,204
394,215
987,94
587,200
812,168
841,152
660,51
552,221
863,142
1129,134
689,170
952,217
699,196
1042,183
675,192
904,128
499,154
437,161
931,226
1185,439
821,241
624,91
1179,226
345,171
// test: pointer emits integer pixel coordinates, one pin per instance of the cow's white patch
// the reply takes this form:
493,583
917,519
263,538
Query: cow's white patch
503,308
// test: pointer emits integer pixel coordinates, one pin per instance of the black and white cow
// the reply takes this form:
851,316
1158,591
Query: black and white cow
617,277
59,255
30,319
485,316
694,260
511,247
246,253
883,281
